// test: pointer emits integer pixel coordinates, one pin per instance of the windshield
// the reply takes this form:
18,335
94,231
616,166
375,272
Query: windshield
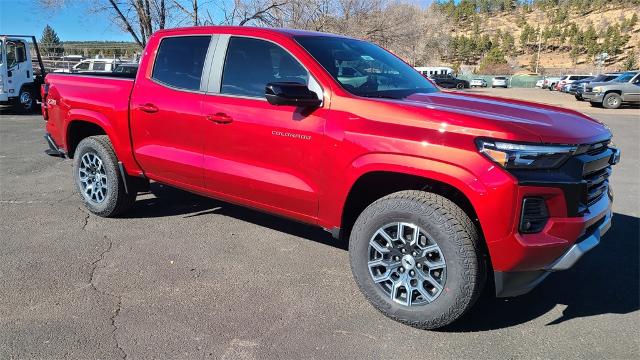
625,77
365,69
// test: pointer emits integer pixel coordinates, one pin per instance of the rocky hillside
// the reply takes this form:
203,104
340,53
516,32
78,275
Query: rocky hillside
568,36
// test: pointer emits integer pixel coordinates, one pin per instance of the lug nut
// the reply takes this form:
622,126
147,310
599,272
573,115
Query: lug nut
418,265
404,251
396,258
415,253
412,273
401,269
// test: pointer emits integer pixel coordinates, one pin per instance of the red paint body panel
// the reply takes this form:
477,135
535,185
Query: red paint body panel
253,160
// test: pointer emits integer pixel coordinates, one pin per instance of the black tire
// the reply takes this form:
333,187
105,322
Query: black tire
579,97
116,201
551,87
612,101
454,233
596,104
26,101
460,86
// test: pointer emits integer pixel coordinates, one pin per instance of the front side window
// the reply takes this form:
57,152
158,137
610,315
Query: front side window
83,66
251,64
180,61
16,52
625,77
382,75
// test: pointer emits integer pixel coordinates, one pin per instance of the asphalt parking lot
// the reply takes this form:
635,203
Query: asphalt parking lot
187,277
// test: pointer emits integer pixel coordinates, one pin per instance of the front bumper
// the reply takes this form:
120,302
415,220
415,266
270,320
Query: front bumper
510,284
593,97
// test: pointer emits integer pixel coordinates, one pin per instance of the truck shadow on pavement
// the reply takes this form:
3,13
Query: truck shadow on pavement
169,201
604,281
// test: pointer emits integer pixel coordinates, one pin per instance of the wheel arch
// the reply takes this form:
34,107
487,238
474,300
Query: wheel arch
377,175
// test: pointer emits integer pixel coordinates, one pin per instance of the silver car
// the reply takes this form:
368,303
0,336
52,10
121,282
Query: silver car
478,83
625,89
499,81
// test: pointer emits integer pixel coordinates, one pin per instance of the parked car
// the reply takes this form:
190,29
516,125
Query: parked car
449,81
578,87
573,87
500,81
624,89
568,79
540,84
436,191
92,65
126,68
550,82
478,83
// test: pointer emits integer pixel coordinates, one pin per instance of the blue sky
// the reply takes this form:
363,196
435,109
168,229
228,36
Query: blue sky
72,22
22,17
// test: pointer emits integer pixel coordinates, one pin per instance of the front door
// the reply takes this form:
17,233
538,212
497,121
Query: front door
166,112
256,153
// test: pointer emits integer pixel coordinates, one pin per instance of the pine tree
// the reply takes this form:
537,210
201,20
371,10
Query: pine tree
50,42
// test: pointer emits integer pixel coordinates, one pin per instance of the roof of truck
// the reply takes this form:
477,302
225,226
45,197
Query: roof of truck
235,29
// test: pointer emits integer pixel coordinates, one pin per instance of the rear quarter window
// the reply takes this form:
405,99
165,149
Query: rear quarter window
180,60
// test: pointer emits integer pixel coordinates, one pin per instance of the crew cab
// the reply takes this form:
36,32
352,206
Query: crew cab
436,192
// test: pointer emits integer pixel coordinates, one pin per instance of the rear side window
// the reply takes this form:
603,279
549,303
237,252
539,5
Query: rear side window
180,61
251,64
98,66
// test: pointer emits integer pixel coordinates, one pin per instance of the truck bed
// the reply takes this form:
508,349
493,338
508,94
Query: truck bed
99,99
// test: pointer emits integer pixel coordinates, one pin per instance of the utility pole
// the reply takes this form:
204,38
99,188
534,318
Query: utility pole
539,45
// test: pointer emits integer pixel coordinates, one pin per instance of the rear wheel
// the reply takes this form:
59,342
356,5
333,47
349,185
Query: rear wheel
98,179
459,86
612,101
416,257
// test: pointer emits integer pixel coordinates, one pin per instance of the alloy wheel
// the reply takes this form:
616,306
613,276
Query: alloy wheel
406,264
93,178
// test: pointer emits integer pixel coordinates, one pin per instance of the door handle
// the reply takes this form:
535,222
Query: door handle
148,108
220,118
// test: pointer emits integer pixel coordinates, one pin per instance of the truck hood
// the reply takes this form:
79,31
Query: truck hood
549,124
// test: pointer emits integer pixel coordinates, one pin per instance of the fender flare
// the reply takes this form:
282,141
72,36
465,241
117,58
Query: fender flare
453,175
99,119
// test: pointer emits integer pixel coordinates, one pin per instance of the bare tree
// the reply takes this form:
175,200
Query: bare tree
418,35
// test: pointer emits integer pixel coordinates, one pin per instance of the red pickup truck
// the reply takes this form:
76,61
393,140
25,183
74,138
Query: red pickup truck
440,194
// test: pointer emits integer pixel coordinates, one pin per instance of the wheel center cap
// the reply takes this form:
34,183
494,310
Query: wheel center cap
408,262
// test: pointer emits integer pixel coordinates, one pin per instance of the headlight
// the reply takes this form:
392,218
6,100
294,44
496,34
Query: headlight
525,156
597,89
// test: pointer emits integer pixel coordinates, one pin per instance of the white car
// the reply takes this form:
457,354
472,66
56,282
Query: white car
478,83
500,81
92,65
540,83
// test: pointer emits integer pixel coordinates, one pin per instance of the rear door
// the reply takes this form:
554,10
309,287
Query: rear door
257,153
166,116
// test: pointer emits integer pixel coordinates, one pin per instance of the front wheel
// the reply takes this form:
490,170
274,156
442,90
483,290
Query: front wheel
26,102
98,179
612,101
416,257
460,86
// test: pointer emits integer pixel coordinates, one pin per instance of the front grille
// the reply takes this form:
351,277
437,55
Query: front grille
596,170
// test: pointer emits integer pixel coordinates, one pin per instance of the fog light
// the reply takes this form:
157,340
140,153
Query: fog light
534,215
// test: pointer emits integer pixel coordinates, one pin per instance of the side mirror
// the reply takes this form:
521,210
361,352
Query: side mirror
291,93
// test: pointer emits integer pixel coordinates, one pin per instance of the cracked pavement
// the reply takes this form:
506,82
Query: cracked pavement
184,277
